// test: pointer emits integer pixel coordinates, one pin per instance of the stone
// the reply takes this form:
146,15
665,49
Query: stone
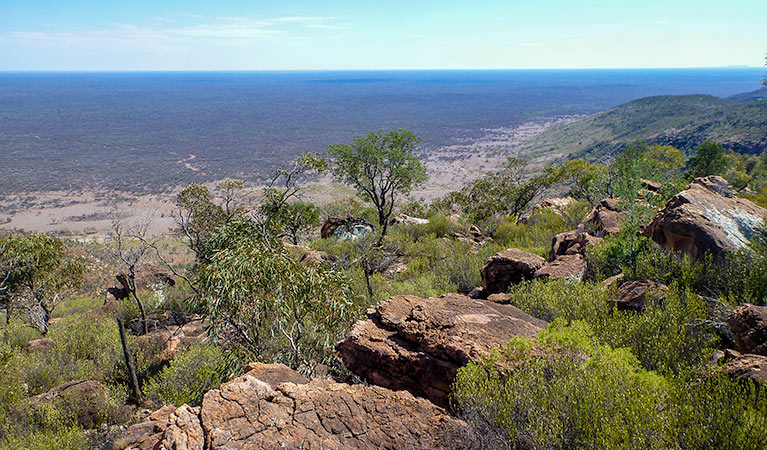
417,344
571,243
274,374
404,219
508,267
748,324
748,367
635,295
502,298
40,345
346,228
615,280
248,413
170,341
314,257
87,398
566,267
706,219
557,205
605,218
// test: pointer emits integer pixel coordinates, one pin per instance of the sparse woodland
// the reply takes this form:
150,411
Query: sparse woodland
637,336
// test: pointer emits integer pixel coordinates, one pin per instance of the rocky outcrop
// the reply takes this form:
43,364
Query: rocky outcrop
345,228
748,367
88,399
565,267
169,341
605,218
571,243
557,205
249,413
404,219
418,344
636,295
508,267
40,345
314,257
706,218
748,324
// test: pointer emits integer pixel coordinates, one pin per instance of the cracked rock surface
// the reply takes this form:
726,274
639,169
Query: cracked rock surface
248,413
416,344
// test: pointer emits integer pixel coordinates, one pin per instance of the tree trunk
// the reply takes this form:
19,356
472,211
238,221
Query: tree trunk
132,378
144,325
366,271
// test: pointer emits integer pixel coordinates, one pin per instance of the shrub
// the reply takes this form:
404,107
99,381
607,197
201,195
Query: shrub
189,376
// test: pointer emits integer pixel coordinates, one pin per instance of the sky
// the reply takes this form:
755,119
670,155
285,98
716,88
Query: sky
378,35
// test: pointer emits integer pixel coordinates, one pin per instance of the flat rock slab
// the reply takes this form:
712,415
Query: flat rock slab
565,267
416,344
508,267
247,413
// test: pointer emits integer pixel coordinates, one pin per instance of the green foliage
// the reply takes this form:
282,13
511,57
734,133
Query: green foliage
275,308
36,271
709,159
536,233
189,376
290,220
617,253
380,166
568,390
509,192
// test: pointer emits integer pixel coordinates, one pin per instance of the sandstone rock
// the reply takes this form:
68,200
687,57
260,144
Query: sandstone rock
615,280
41,345
748,367
87,398
567,267
169,341
314,257
635,295
702,220
345,228
407,220
247,413
274,374
478,293
555,204
748,324
418,344
509,267
503,298
571,243
605,218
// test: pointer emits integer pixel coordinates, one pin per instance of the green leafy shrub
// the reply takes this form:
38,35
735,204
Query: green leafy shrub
189,376
567,390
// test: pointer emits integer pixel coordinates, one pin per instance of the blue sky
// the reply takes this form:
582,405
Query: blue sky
388,34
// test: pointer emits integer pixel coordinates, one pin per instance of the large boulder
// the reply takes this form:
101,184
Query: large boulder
88,400
345,228
41,345
249,413
571,243
508,267
605,218
748,367
404,219
557,205
748,324
565,267
635,295
419,344
706,218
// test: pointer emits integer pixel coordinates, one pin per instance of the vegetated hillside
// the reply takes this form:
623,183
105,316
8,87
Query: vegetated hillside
748,96
682,121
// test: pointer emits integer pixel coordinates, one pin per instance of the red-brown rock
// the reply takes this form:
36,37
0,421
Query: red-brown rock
40,345
748,324
748,367
571,243
418,344
508,267
345,228
247,413
566,267
605,218
706,219
314,257
635,295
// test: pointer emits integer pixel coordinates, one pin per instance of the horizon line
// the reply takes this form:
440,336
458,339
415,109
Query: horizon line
373,70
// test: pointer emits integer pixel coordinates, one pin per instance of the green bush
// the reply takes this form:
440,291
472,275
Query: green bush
188,377
566,390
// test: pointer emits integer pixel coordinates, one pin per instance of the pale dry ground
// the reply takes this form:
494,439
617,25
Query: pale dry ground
87,215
